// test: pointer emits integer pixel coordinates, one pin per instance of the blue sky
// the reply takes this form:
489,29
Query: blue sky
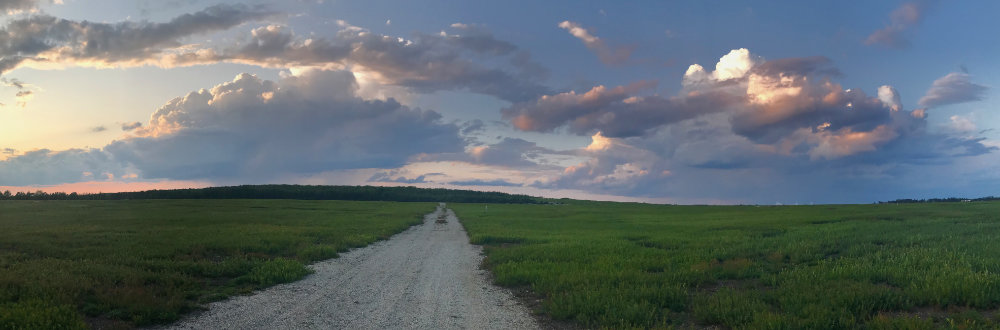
679,102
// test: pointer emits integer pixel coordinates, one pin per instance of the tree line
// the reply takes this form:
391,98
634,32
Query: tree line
306,192
942,200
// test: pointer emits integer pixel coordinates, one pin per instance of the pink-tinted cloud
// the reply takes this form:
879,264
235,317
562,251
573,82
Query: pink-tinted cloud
901,20
771,119
788,106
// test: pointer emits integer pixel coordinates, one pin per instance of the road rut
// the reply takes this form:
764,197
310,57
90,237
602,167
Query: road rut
426,277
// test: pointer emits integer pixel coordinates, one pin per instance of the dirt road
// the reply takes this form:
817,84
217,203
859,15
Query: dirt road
426,277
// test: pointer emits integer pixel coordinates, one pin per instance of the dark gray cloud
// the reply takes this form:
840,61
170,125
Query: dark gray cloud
381,177
616,112
10,62
128,127
16,5
480,40
955,87
902,19
47,38
259,129
473,126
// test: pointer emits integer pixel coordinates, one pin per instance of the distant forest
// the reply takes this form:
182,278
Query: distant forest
942,200
352,193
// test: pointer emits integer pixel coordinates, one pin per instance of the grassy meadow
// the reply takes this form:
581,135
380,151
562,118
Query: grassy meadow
620,265
118,264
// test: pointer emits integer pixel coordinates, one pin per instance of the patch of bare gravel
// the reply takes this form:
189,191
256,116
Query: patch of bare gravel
426,277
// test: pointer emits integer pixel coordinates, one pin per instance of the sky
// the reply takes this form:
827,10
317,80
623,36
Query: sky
690,102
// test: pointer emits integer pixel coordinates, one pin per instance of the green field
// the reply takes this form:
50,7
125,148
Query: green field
122,263
618,265
70,264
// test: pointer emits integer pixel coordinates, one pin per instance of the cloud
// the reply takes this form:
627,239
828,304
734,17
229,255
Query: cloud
510,152
890,98
754,122
961,124
128,127
612,165
495,183
257,129
472,60
903,18
736,64
846,141
953,88
473,126
45,39
393,176
13,83
23,97
15,6
98,129
46,167
788,106
617,112
25,92
608,55
701,158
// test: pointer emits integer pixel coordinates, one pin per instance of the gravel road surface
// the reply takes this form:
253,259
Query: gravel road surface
426,277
